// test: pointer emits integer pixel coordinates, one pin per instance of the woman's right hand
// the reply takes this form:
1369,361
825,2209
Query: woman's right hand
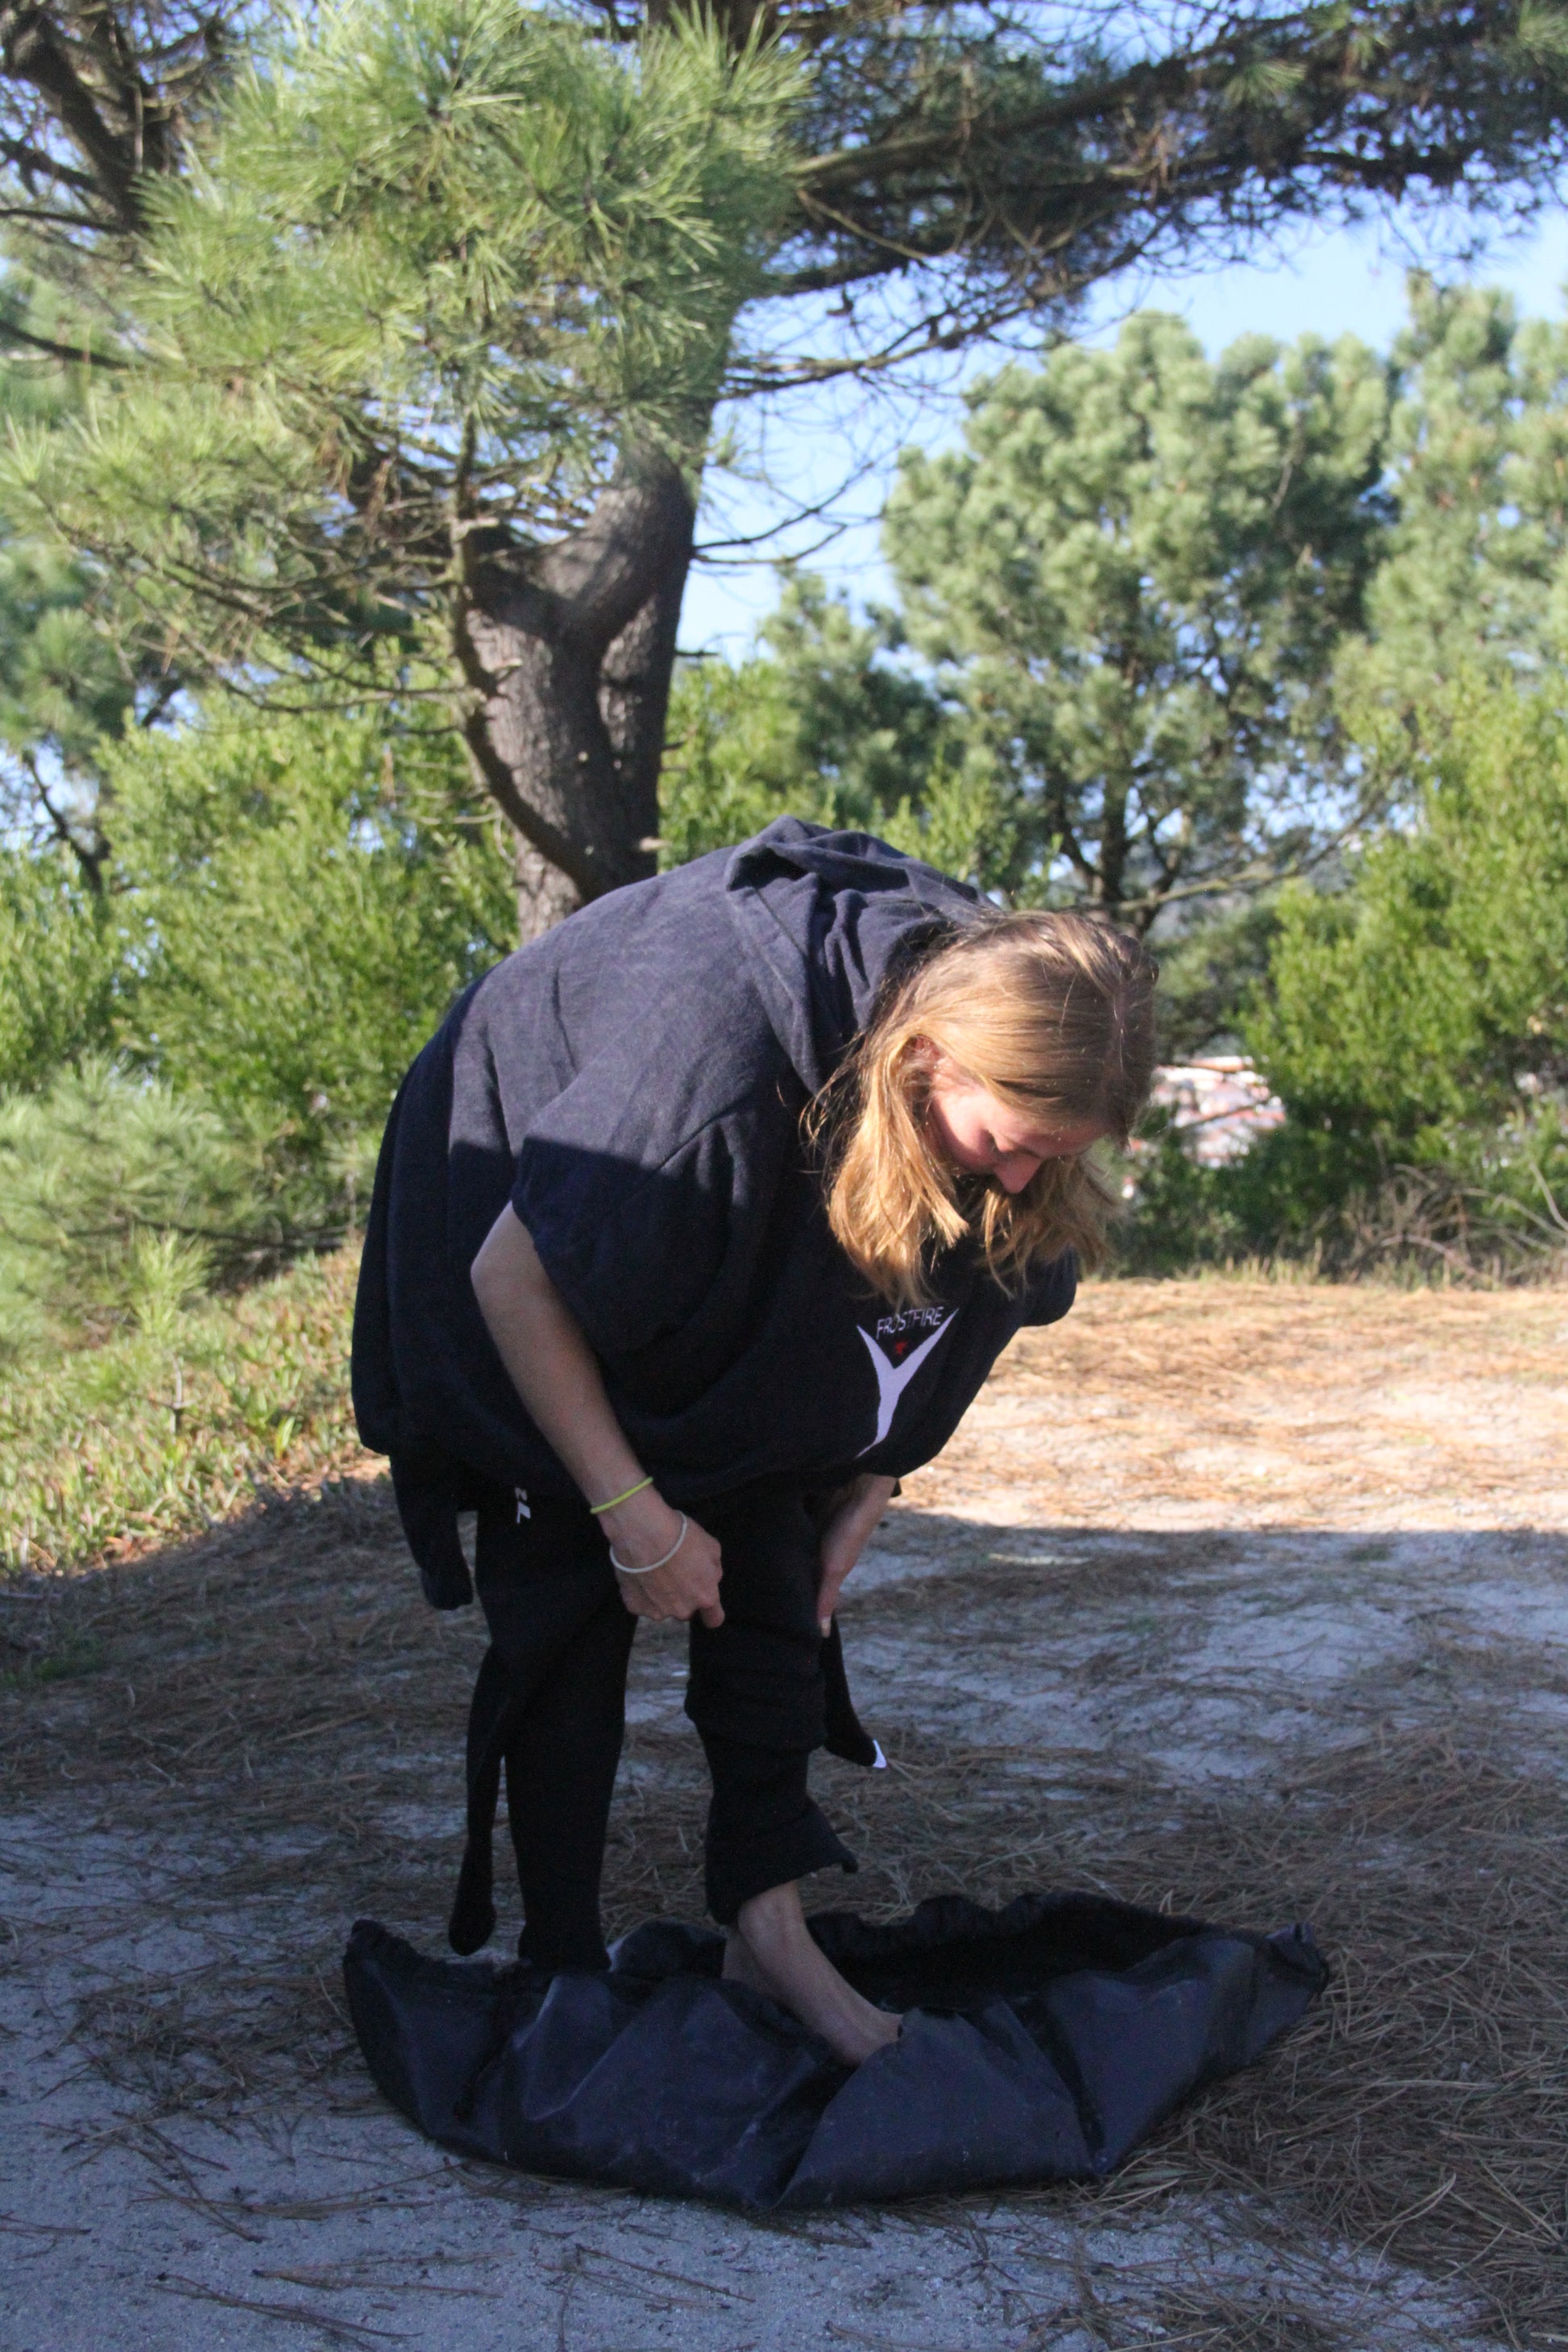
686,1585
557,1376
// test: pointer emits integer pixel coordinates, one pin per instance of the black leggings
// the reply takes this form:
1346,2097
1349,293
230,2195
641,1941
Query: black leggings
550,1705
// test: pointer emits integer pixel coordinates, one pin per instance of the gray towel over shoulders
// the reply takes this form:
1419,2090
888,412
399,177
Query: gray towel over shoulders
633,1083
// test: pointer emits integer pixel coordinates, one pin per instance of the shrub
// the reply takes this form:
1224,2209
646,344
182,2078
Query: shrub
1416,1026
1283,1199
195,1067
116,1191
306,897
1419,1002
60,953
179,1417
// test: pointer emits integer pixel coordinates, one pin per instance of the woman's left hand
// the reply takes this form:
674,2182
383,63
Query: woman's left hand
845,1535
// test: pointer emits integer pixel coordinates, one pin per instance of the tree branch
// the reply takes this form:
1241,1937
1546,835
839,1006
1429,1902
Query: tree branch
600,576
90,862
81,356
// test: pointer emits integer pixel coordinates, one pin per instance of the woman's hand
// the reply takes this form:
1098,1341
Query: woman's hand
557,1375
845,1538
686,1585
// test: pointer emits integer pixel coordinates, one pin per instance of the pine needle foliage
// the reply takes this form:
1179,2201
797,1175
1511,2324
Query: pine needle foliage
1433,995
1132,580
1475,580
302,900
438,268
103,1166
1415,1025
61,954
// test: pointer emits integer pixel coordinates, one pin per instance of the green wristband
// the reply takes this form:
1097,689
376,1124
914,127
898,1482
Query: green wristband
595,1509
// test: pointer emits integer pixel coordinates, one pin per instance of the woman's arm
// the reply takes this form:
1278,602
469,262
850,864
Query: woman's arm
557,1375
845,1535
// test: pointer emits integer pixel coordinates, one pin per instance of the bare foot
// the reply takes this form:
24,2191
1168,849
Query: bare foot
771,1949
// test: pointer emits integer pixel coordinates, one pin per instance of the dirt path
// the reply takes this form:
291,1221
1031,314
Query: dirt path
1231,1404
1249,1599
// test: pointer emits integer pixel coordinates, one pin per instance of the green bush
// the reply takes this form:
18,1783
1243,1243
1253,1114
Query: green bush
1494,1206
1286,1198
177,1418
60,959
198,1061
1421,1000
291,904
303,899
1416,1026
118,1196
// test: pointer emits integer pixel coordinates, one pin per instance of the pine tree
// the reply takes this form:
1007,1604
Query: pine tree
814,722
1476,575
436,303
68,685
1134,577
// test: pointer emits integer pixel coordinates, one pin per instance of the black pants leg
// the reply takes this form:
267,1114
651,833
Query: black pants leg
561,1638
549,1706
560,1778
757,1695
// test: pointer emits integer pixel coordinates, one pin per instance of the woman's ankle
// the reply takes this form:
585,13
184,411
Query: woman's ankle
772,1917
742,1965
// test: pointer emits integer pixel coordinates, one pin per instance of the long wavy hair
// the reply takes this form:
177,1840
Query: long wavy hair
1052,1014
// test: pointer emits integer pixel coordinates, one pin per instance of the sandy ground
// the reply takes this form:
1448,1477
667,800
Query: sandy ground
1242,1598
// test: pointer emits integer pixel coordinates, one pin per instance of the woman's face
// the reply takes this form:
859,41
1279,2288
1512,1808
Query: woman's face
974,1131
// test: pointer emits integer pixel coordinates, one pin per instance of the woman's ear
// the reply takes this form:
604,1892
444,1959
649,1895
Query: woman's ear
919,1066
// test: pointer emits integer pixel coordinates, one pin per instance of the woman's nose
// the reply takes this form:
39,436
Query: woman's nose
1014,1169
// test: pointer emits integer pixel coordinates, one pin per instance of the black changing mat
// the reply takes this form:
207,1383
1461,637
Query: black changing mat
1040,2042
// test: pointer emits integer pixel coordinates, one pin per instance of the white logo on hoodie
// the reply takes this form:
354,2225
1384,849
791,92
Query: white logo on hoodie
893,1379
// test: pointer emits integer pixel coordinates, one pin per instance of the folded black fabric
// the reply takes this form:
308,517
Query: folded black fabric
1041,2043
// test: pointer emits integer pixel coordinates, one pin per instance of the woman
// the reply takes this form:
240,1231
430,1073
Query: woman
698,1223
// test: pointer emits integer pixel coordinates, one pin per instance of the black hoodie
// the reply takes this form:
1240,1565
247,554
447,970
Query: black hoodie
633,1083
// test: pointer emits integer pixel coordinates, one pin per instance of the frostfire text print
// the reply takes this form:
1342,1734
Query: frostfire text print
897,1351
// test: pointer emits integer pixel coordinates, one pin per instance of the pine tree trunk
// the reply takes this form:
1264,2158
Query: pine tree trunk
567,652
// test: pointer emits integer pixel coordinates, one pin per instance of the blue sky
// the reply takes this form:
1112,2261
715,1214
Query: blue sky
839,446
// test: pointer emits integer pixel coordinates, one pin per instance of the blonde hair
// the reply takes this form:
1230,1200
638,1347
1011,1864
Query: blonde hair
1049,1012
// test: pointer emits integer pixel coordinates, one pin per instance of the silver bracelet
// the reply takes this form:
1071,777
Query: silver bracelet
622,1569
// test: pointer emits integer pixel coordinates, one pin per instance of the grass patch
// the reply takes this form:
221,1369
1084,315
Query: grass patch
62,1665
157,1433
